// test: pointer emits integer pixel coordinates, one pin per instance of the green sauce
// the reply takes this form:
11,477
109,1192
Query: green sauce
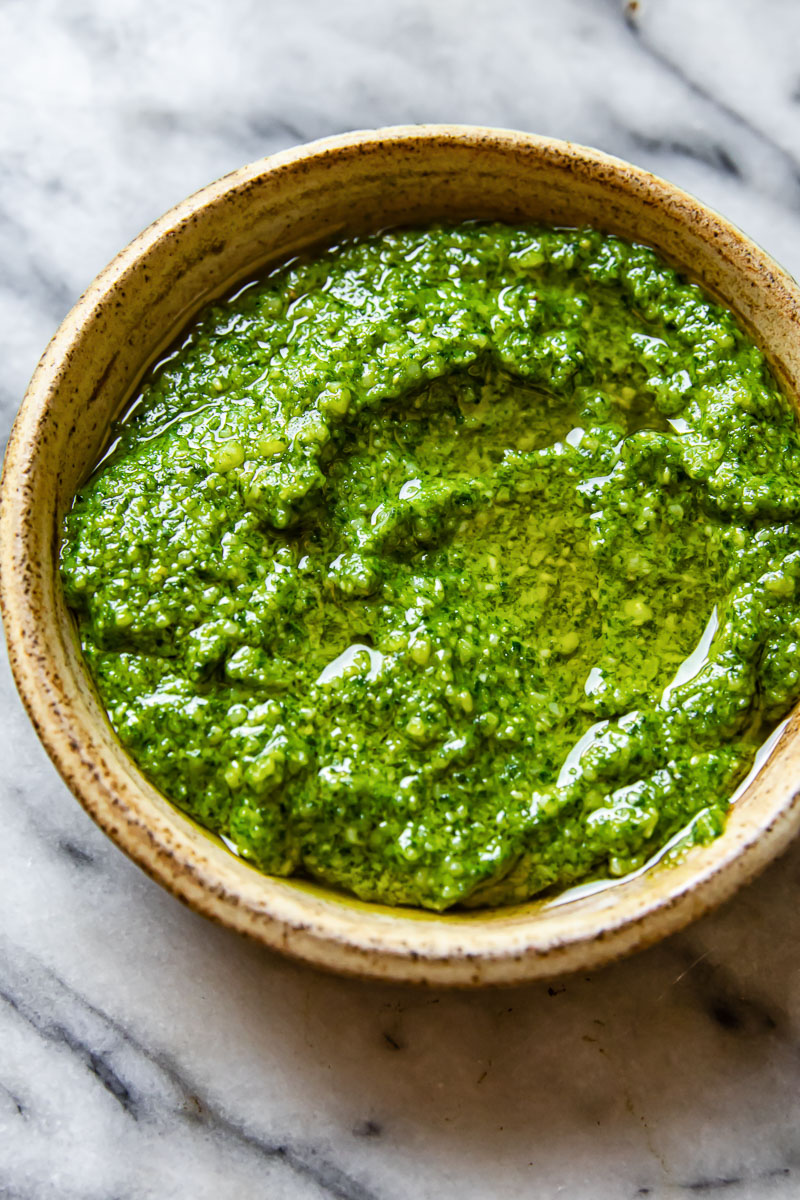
454,565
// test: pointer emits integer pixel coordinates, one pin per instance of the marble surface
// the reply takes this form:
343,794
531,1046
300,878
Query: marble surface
146,1053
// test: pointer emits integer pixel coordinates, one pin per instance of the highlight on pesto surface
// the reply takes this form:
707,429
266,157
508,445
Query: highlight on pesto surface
451,566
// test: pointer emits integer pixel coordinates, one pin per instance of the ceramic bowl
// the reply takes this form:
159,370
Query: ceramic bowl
263,213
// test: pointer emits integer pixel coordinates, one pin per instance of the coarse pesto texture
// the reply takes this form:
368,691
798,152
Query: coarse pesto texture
450,566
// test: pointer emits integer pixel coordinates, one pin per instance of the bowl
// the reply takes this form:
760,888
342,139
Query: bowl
260,214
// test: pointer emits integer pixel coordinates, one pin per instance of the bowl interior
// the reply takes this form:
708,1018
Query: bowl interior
259,215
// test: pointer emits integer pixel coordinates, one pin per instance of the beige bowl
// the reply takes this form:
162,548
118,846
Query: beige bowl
264,212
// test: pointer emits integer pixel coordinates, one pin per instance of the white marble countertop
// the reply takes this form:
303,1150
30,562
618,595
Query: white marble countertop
146,1053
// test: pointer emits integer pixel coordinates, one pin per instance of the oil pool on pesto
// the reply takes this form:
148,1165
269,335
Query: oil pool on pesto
449,566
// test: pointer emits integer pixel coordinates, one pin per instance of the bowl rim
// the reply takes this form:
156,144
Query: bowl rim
302,920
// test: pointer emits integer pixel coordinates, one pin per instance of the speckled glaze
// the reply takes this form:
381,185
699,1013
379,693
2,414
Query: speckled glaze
264,212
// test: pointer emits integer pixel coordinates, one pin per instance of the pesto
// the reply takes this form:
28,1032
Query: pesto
449,566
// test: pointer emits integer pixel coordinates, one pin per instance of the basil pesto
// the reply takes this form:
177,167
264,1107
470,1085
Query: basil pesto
449,566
